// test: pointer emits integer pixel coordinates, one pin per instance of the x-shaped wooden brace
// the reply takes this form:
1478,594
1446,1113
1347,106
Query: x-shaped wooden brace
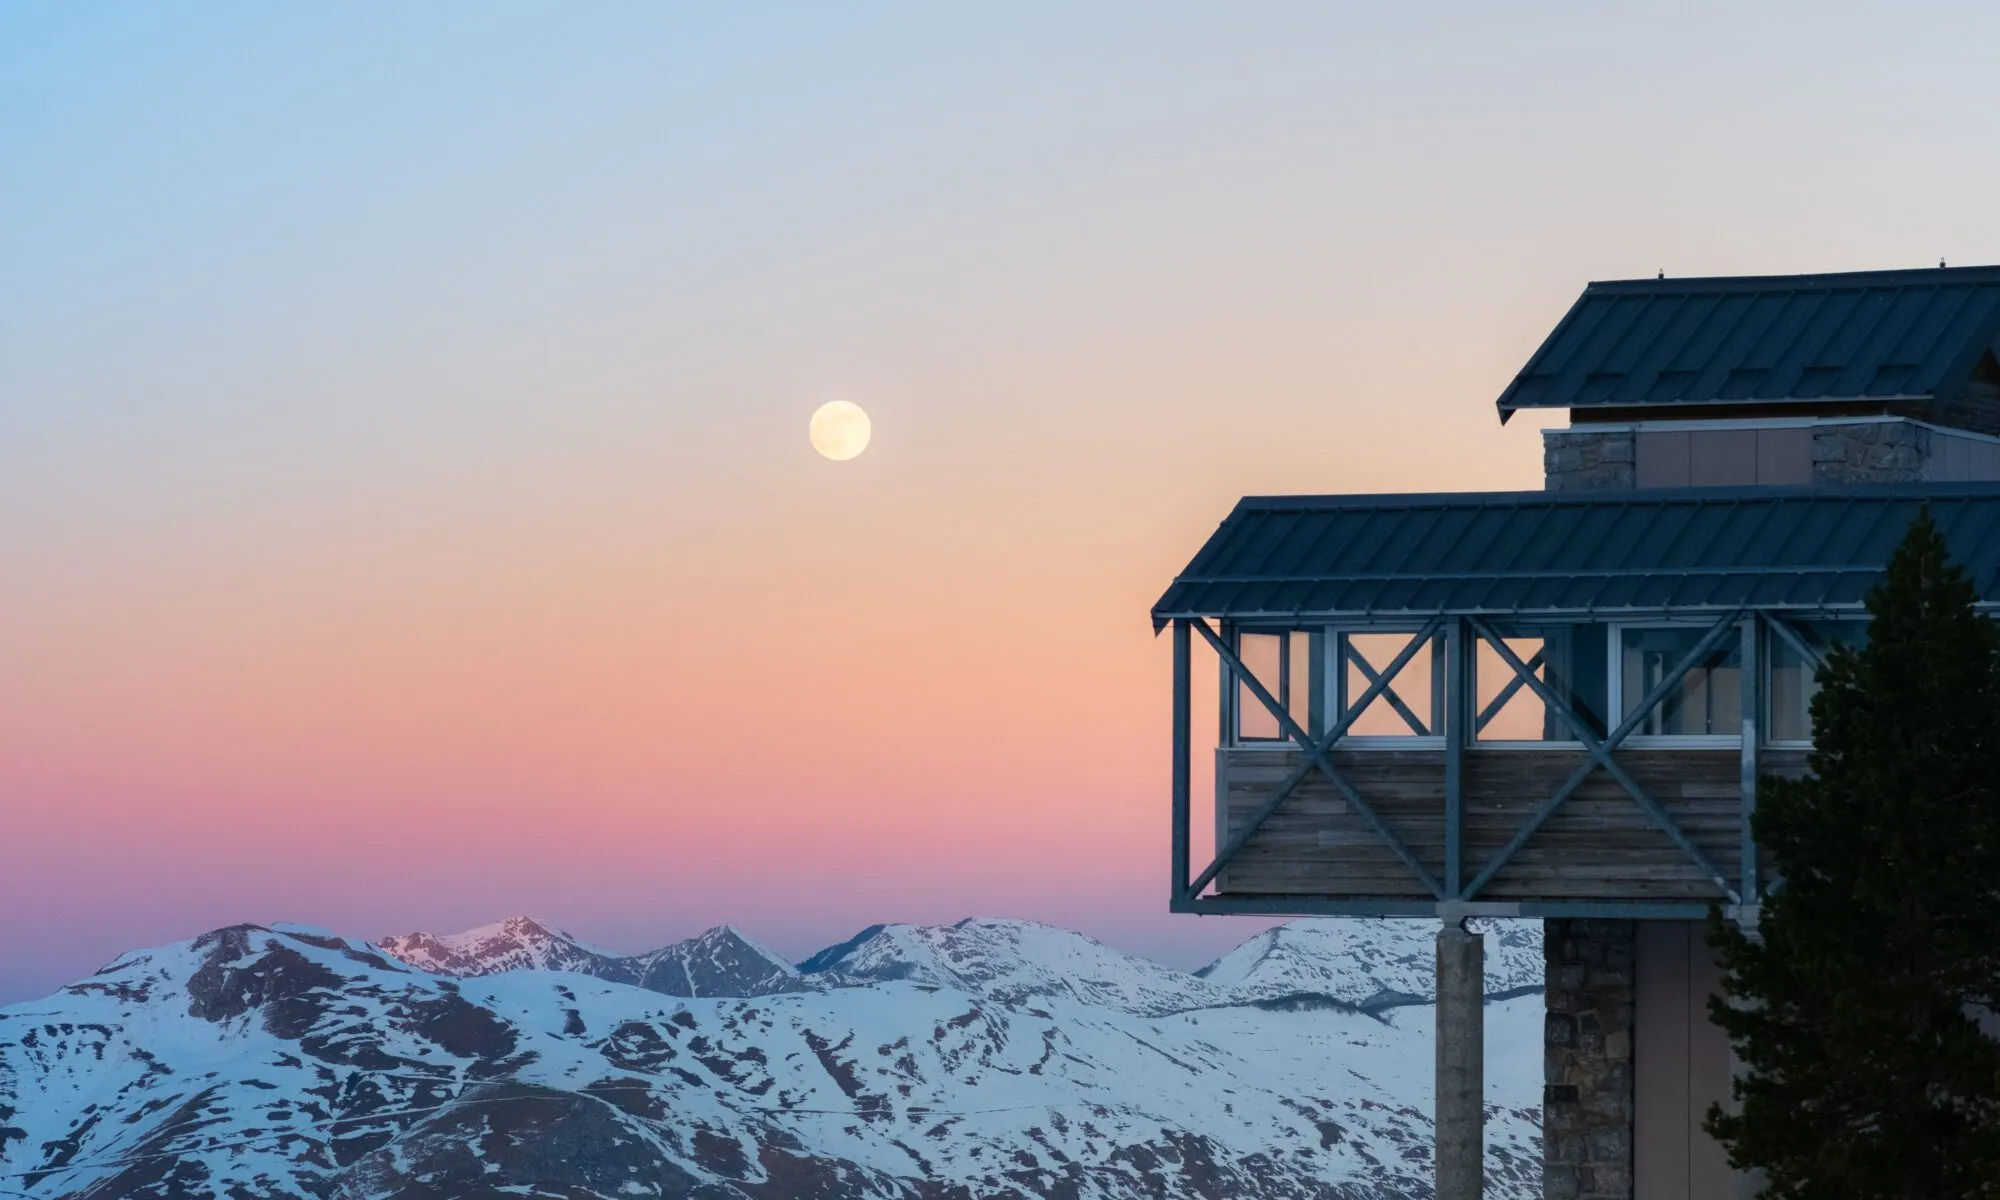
1315,757
1791,637
1507,693
1601,753
1368,672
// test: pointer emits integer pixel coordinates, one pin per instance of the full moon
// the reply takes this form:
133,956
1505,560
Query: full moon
840,430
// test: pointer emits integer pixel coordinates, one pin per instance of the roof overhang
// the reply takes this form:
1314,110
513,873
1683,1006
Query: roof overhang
1907,337
1575,555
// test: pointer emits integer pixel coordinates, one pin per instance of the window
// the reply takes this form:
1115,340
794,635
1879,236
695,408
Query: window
1411,705
1315,672
1706,702
1790,682
1568,659
1284,662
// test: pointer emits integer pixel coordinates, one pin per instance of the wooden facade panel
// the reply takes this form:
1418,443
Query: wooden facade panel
1598,845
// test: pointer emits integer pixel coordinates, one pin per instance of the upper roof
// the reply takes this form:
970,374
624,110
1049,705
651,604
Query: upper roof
1763,339
1572,553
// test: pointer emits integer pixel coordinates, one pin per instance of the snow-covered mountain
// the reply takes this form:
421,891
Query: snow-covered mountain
1359,964
516,944
1369,964
1025,1062
1013,962
721,962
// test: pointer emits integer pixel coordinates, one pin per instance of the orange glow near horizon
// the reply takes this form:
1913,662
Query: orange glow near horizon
405,514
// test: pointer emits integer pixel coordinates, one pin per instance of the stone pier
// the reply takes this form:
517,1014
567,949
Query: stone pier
1587,1102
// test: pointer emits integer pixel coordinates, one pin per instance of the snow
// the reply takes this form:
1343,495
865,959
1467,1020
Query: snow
986,1054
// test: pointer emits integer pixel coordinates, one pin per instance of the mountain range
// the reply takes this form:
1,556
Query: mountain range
990,1058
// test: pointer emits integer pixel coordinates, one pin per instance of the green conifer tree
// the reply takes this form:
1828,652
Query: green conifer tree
1854,1010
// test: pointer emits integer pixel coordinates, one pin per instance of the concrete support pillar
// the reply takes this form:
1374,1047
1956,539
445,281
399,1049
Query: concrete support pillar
1461,1063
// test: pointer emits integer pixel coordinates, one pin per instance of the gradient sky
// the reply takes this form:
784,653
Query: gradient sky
406,514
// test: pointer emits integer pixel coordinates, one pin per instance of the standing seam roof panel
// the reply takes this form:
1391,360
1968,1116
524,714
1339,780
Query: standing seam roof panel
1901,334
1702,549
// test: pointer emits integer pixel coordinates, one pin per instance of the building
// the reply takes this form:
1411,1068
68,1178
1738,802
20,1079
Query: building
1558,704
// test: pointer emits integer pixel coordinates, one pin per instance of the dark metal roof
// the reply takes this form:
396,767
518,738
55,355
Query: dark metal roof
1769,339
1570,553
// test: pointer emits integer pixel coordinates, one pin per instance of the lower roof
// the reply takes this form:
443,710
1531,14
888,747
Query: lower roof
1566,554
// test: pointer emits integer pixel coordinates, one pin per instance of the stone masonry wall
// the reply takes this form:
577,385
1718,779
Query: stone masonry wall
1574,460
1875,452
1587,1105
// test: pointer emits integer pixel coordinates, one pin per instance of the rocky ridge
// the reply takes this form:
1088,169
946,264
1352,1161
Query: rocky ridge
985,1059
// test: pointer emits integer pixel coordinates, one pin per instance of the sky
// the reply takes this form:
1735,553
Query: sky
406,513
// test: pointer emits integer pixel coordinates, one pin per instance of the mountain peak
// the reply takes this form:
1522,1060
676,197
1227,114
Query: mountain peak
514,944
723,961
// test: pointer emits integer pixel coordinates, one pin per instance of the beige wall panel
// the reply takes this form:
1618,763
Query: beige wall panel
1680,1066
1708,1070
1660,1079
1660,458
1957,457
1784,456
1985,461
1722,457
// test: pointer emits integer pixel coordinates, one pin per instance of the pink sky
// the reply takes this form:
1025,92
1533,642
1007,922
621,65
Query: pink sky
406,515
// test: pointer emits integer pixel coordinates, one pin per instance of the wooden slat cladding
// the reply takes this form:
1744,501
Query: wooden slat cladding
1598,846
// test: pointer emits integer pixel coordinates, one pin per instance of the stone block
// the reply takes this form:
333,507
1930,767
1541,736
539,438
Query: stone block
1559,1030
1615,450
1612,1144
1610,977
1618,1046
1560,1183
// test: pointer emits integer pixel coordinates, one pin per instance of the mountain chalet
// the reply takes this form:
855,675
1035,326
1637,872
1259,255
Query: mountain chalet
1558,704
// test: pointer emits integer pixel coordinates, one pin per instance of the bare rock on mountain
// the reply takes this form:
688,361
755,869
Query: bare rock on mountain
287,1062
721,962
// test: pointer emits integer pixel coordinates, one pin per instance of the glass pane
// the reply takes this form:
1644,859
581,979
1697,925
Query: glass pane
1791,684
1301,679
1367,655
1522,717
1261,654
1707,701
1571,664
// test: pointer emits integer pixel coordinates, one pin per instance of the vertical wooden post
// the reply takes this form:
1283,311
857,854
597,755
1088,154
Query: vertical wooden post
1225,692
1183,735
1457,716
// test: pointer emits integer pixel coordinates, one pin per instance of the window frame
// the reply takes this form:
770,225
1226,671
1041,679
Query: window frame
1768,659
1334,670
1614,666
1332,695
1474,643
1233,688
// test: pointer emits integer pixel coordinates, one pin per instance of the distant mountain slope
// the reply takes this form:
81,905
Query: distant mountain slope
288,1062
1369,963
515,944
1016,961
721,962
1358,963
